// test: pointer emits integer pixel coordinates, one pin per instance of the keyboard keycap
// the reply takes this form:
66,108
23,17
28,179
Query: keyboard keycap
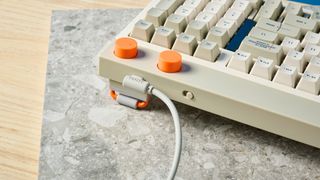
316,16
261,48
296,59
311,50
188,12
219,36
255,3
264,35
274,3
312,38
215,8
196,4
223,59
270,10
290,44
156,16
293,8
177,23
289,31
263,68
198,29
286,75
164,37
185,43
228,24
241,61
209,18
243,6
268,24
314,65
235,15
207,50
225,3
310,82
167,5
301,22
143,30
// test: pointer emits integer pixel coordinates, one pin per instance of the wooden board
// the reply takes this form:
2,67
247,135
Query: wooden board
24,36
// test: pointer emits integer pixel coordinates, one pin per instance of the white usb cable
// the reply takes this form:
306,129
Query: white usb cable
137,83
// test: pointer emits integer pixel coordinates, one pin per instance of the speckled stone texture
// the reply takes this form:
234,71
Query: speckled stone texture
86,135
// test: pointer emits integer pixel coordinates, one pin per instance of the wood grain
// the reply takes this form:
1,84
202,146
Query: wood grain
24,36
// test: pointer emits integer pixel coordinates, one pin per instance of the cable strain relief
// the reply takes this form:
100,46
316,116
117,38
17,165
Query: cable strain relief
150,88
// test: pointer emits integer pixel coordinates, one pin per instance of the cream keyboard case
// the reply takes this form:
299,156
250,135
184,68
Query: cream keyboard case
253,61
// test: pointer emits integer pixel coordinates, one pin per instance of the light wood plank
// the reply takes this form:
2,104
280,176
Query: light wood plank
24,37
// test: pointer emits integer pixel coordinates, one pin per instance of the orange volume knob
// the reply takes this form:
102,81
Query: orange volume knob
170,61
126,48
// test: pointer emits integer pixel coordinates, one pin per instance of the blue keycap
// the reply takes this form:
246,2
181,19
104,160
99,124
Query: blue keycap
243,31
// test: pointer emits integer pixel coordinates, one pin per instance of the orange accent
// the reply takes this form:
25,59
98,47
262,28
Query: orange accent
170,61
113,94
140,104
126,48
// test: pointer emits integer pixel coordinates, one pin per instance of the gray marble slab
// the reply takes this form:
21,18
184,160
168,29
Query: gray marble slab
86,135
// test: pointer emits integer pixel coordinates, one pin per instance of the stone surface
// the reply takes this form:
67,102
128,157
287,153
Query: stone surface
86,135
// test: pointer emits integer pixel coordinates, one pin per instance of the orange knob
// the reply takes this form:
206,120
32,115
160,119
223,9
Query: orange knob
170,61
126,48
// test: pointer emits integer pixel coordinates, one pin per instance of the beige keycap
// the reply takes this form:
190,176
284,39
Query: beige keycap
316,16
164,37
185,43
168,6
292,8
207,50
143,30
271,10
311,50
235,15
289,31
209,18
156,16
290,44
255,3
188,12
177,23
225,3
274,4
227,24
196,4
198,29
242,5
223,59
264,35
314,65
286,75
263,68
312,38
309,9
219,36
215,8
262,48
241,61
310,82
296,59
268,24
303,23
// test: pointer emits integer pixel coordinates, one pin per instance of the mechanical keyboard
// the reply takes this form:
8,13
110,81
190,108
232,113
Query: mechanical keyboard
254,61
